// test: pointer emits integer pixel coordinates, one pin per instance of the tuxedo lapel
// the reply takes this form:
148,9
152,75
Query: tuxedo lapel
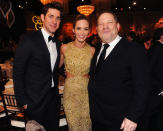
44,47
46,51
58,54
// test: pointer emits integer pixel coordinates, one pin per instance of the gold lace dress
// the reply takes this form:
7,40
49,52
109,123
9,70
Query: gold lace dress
75,99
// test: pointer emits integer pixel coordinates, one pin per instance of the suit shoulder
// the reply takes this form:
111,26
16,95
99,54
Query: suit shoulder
28,35
133,47
27,39
129,44
157,48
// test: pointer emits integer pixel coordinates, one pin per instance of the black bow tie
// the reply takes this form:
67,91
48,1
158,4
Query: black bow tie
51,38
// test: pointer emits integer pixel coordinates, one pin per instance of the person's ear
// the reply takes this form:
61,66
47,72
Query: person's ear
73,30
89,31
118,26
42,17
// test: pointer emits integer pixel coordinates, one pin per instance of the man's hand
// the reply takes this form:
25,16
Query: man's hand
128,125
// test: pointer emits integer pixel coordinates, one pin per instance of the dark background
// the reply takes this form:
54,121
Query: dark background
35,6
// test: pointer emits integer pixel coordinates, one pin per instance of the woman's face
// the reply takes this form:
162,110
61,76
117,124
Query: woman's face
81,30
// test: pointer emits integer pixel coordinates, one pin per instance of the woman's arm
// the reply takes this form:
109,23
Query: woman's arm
93,50
62,52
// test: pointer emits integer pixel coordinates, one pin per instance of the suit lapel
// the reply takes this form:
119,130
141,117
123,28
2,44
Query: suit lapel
94,60
113,54
44,47
58,54
46,51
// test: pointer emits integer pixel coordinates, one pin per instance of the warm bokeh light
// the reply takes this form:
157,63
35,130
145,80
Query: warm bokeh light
134,3
85,9
44,2
159,24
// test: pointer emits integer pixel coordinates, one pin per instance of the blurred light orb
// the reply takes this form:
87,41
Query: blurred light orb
85,9
44,2
134,3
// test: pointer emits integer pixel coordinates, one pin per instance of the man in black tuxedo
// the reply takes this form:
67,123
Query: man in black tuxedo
119,79
36,70
154,114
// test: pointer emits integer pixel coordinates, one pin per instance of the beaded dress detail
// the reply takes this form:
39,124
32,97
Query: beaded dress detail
75,99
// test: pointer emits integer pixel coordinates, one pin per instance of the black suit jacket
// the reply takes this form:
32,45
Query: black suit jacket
156,66
120,87
155,55
32,71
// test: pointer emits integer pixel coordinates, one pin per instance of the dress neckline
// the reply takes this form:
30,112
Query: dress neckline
73,43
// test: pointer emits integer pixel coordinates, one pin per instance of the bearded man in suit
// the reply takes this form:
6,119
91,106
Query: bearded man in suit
36,70
119,79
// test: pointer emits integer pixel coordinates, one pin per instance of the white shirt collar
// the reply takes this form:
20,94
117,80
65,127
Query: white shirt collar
111,47
114,42
45,34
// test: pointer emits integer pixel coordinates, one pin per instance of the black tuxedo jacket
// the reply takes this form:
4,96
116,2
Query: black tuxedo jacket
155,55
32,71
156,66
120,87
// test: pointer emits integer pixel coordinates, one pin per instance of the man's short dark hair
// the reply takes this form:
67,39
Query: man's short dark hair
53,5
106,11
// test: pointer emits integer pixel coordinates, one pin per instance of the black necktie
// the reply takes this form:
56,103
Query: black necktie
102,55
51,38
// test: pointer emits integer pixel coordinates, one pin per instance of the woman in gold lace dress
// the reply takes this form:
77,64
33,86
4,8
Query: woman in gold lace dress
77,57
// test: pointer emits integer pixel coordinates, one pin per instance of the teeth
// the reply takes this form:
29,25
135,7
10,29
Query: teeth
81,36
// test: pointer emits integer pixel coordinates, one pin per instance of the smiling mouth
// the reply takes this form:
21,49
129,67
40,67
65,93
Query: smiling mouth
53,26
106,31
81,37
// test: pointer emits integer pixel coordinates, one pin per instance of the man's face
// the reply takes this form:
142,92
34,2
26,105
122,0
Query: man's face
107,27
51,20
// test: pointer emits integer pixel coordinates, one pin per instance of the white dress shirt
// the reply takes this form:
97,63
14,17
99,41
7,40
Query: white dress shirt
52,50
110,48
